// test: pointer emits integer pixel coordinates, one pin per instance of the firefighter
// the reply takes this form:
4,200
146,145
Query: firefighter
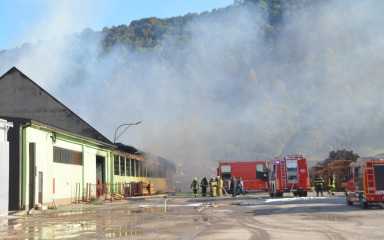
195,185
219,189
232,186
239,187
319,182
331,184
213,185
204,185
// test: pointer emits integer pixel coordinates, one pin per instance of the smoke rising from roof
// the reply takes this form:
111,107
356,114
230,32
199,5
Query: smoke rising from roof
236,94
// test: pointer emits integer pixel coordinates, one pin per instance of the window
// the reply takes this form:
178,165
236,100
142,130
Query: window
146,169
292,171
116,165
163,172
61,155
143,169
226,171
122,166
272,171
379,176
150,170
133,168
128,166
359,178
137,166
261,171
344,178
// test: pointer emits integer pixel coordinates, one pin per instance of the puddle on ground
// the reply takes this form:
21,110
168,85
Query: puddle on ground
67,229
58,231
206,218
151,210
123,234
9,224
202,219
80,229
74,213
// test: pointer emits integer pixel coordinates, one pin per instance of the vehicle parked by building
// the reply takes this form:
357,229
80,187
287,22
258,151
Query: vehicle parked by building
366,182
288,174
253,173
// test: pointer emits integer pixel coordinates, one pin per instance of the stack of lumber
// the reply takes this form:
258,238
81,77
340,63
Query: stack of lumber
151,189
317,170
138,189
145,189
340,168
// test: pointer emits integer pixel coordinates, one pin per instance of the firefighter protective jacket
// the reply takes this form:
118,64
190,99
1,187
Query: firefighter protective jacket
319,181
195,184
331,181
212,183
204,182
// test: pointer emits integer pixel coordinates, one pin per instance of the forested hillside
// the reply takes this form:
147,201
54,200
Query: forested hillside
256,79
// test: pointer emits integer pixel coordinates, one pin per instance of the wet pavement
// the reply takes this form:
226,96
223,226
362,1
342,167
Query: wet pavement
253,216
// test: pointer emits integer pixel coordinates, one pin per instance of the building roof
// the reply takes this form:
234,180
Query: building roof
30,101
56,129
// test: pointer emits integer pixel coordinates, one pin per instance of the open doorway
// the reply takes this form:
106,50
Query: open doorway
100,167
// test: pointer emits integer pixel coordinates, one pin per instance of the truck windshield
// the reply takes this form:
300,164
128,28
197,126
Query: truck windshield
226,171
261,172
292,171
379,176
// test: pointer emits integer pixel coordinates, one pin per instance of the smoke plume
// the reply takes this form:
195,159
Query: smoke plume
237,93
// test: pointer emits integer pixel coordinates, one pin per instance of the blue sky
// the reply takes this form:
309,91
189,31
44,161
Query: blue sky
33,20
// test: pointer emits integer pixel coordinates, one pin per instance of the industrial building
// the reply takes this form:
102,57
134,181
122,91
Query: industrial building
52,150
4,166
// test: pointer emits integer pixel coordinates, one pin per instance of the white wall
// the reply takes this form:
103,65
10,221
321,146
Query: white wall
66,175
4,167
4,177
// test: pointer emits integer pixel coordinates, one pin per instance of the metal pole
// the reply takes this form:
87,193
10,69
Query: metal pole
125,124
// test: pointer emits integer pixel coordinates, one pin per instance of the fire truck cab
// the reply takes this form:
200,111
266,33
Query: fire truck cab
366,182
253,173
288,174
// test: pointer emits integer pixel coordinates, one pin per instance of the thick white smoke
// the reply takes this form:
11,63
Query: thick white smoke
236,94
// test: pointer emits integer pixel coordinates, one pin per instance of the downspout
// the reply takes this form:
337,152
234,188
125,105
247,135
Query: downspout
83,172
23,160
112,160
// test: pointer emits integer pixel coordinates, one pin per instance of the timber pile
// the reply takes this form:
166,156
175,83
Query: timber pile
151,189
138,188
145,189
317,170
339,167
142,188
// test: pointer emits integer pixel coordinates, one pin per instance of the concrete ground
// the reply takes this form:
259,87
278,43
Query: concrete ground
253,216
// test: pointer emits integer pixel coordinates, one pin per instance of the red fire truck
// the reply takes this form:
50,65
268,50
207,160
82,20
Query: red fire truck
366,182
288,174
253,173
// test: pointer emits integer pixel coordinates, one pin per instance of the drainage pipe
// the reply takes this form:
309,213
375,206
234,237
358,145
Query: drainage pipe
22,207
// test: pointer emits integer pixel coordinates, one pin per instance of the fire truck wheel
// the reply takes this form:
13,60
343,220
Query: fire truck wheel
347,200
363,205
304,194
271,194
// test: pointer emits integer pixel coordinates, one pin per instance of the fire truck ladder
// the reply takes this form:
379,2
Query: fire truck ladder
283,174
371,186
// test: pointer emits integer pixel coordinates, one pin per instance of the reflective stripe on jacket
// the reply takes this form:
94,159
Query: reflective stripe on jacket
319,181
204,182
331,181
195,185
